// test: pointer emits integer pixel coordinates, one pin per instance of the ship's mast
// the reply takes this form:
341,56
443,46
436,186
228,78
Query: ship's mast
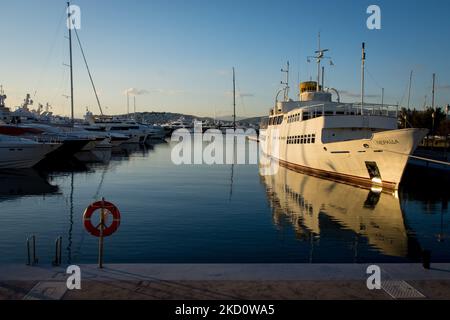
69,14
286,83
363,60
320,54
318,63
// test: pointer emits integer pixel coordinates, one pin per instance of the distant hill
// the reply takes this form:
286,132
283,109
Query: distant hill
165,117
253,121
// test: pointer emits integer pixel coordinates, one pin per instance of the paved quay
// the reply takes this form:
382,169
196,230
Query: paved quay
225,281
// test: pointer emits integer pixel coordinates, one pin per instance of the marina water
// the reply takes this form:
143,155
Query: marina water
219,213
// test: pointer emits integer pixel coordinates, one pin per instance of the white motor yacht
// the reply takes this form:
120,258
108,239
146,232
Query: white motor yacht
19,153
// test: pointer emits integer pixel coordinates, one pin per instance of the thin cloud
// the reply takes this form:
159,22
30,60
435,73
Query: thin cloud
223,72
357,95
239,94
444,87
169,92
135,92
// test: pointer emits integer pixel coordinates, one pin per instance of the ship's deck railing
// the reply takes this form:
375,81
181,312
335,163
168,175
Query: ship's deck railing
326,110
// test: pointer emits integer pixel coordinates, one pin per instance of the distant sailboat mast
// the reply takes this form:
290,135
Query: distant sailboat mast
234,100
69,14
409,88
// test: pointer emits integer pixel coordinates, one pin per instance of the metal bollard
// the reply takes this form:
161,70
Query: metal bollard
426,259
58,252
35,259
28,252
30,261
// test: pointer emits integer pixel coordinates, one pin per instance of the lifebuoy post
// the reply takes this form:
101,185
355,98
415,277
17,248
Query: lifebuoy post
100,240
101,230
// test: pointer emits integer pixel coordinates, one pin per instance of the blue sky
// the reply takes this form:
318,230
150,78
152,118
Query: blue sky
180,53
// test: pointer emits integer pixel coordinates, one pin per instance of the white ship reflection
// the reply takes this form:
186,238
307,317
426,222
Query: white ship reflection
310,204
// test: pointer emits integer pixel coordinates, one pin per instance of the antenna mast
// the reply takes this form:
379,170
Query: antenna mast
319,56
318,62
286,88
69,17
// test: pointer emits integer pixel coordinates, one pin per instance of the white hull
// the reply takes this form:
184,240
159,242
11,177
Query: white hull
352,160
22,155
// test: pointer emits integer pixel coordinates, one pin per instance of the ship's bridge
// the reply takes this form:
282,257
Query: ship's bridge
314,102
318,104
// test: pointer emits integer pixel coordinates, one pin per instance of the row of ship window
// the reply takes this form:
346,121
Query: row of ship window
275,120
304,116
303,139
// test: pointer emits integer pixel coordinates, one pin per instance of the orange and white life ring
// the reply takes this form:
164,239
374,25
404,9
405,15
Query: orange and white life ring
108,208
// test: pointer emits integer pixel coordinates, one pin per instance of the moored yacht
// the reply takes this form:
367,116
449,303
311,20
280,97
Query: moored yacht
19,153
358,143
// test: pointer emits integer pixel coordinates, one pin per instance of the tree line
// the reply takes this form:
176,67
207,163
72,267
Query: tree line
435,120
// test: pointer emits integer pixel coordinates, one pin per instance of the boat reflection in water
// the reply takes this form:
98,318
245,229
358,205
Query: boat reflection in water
24,182
318,208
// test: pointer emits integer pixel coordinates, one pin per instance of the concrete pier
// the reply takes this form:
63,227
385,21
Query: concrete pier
226,281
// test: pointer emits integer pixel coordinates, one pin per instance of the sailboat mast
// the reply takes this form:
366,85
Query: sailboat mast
318,65
71,64
234,100
409,90
128,103
433,90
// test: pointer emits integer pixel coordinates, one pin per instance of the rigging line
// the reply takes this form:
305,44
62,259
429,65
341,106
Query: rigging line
241,98
404,95
89,71
373,78
419,158
52,48
63,80
80,245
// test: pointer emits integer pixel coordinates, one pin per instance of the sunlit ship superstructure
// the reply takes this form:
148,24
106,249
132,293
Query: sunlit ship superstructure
358,143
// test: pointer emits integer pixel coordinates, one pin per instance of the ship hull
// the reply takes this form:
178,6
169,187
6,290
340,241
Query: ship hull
22,156
376,161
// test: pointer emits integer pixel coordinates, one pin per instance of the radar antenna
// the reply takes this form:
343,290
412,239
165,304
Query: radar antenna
320,55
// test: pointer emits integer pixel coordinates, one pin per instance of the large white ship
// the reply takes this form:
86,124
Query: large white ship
357,143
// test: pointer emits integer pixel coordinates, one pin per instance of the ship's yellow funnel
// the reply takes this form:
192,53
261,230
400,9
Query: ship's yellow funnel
309,86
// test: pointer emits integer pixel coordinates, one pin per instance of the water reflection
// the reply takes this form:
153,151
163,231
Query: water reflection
316,207
24,182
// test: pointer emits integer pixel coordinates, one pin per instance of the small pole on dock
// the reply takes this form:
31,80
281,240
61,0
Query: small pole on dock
101,230
100,241
426,259
28,252
35,260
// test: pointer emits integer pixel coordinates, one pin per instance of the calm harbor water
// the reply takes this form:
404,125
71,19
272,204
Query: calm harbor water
219,214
